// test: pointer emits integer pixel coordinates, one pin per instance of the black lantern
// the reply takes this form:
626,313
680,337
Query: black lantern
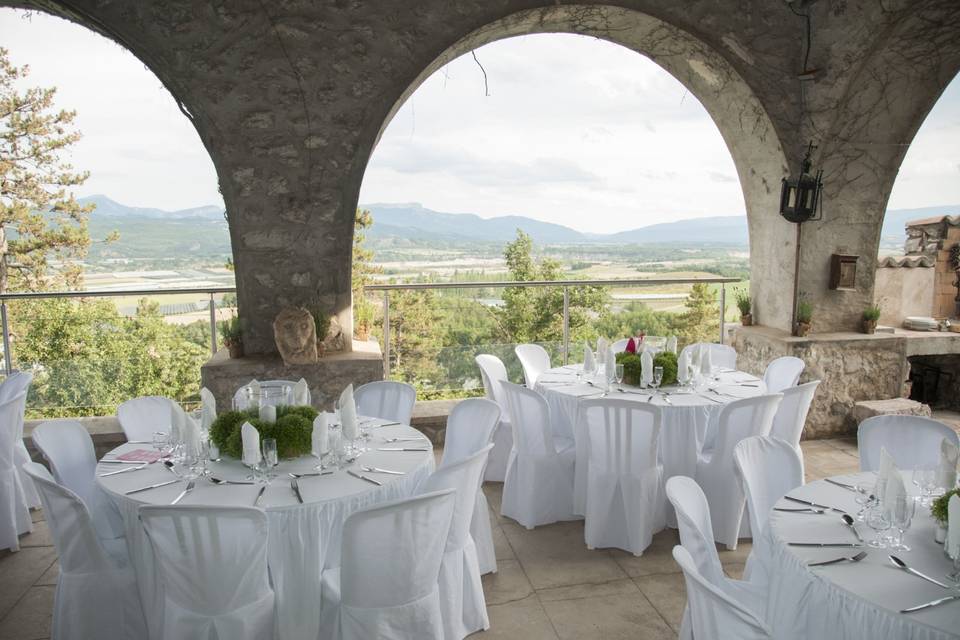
799,198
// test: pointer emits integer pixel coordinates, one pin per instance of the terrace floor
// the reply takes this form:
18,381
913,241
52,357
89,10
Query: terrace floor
548,584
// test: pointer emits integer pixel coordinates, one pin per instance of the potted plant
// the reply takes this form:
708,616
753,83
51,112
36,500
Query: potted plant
743,303
232,335
321,323
939,512
804,317
870,316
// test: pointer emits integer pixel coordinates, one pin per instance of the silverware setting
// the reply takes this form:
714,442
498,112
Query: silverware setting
386,424
124,470
379,470
296,490
309,475
420,439
105,461
190,486
855,545
903,565
218,481
152,486
807,510
638,393
848,487
857,558
256,501
363,477
813,504
932,603
402,449
850,522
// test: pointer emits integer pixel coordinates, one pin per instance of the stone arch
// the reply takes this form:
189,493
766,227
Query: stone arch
747,129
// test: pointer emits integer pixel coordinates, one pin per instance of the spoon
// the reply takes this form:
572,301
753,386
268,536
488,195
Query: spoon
219,481
903,565
857,558
850,522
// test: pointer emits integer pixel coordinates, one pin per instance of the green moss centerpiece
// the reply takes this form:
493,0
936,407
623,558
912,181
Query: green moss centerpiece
292,430
632,367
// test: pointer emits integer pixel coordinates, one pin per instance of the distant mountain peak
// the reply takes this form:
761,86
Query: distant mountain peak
106,206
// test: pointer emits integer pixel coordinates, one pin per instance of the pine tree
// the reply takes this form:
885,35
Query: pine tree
363,270
701,321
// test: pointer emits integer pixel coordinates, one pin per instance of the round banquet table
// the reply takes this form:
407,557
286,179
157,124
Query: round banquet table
850,601
689,417
303,538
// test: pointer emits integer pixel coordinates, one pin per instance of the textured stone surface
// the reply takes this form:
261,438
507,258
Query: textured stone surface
895,406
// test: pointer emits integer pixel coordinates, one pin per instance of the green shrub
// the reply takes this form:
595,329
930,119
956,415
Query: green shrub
667,360
939,507
231,331
804,311
631,367
292,430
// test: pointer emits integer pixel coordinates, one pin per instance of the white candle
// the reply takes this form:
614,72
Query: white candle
268,413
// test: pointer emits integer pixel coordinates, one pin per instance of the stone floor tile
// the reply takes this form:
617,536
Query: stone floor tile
657,558
30,619
626,615
39,537
737,556
574,592
667,594
501,547
508,584
734,570
524,619
36,515
49,578
555,555
20,571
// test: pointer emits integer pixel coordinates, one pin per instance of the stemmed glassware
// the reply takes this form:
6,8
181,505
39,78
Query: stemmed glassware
878,519
162,443
618,372
901,516
269,459
926,479
863,498
657,379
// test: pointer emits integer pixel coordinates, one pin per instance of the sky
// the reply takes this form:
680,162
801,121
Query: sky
574,130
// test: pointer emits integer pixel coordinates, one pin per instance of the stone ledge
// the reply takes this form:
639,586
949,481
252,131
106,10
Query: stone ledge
892,407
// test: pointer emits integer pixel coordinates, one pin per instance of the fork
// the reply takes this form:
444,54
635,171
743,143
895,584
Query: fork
189,488
379,470
857,558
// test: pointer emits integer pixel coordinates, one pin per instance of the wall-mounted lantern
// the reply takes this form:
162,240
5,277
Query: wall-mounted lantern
800,196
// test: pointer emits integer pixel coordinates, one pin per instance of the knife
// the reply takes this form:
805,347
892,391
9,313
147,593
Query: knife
123,462
849,487
932,603
124,470
824,544
296,490
362,477
153,486
256,502
813,504
386,424
400,449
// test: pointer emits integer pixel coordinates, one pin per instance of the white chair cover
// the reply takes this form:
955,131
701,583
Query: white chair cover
783,373
534,359
721,355
913,441
461,592
96,594
268,392
68,450
14,513
15,384
141,417
387,584
493,373
714,613
766,469
625,503
792,413
470,427
738,420
213,565
620,345
538,488
387,400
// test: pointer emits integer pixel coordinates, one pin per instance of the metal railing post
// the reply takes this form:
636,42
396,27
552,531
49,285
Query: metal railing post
213,326
723,310
566,324
386,335
7,357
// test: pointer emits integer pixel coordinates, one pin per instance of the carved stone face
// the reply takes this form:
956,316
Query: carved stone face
295,335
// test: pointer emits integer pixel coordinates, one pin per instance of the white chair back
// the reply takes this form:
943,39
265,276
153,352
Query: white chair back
741,419
913,441
783,373
15,384
534,359
470,428
387,400
272,392
620,345
792,413
392,552
766,468
530,419
141,417
713,613
465,478
493,373
721,355
696,527
622,435
14,511
68,449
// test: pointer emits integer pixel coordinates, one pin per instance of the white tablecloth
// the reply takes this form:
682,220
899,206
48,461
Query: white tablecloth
851,600
689,418
304,538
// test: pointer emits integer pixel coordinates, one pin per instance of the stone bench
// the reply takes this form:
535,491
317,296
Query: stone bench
892,407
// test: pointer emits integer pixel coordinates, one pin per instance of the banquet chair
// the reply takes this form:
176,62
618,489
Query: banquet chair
387,400
766,469
68,449
620,345
212,563
538,488
712,612
271,393
534,359
493,374
721,355
738,419
791,415
696,536
96,594
15,384
141,417
387,586
913,441
625,504
470,427
462,605
783,373
14,513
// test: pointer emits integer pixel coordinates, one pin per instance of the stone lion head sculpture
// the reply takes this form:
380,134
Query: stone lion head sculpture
296,336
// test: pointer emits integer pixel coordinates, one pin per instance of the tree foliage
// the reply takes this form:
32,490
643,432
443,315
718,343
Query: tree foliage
362,275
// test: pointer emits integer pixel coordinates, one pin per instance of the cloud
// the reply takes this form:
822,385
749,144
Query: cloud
716,176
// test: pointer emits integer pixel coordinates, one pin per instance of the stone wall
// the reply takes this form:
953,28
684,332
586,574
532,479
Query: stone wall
904,288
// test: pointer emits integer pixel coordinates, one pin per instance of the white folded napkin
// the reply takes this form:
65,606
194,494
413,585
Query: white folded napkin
683,367
887,468
610,365
208,408
671,344
894,489
646,368
348,414
177,416
947,471
953,526
706,359
251,444
602,349
301,393
318,439
589,365
191,435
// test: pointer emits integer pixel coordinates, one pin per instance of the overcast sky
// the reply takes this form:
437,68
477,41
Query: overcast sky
575,131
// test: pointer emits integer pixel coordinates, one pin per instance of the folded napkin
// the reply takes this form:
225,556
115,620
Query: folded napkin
208,408
610,365
589,365
953,526
887,468
301,393
706,359
318,439
177,418
190,430
631,346
251,444
671,344
348,414
683,367
895,490
602,349
947,471
646,368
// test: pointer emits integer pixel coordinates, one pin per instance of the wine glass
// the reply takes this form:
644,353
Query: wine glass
161,442
864,499
901,513
618,372
878,520
925,478
657,378
270,459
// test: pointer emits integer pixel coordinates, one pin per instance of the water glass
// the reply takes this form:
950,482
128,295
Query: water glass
619,374
161,442
926,479
657,378
270,459
878,520
863,498
901,517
